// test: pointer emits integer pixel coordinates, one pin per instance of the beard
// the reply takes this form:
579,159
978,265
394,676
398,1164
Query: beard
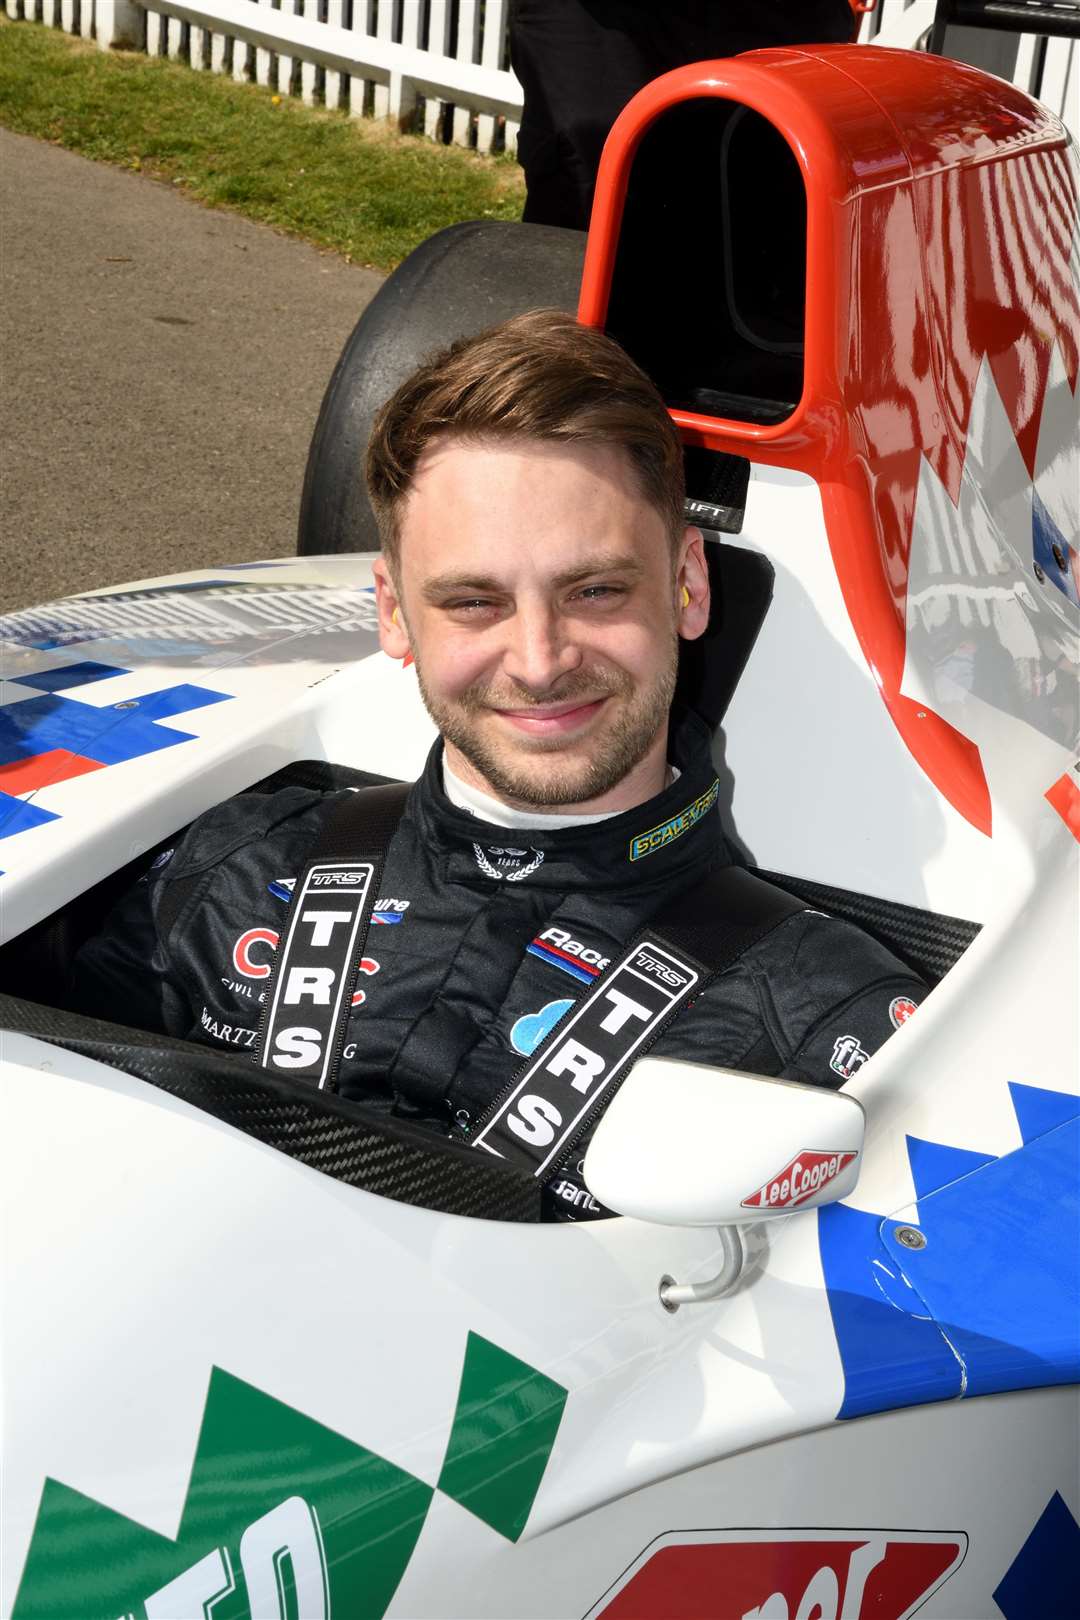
548,772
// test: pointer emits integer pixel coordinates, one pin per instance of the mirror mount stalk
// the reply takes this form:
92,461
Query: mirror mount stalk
673,1294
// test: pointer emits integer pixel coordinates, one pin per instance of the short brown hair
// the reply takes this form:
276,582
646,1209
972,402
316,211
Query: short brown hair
540,375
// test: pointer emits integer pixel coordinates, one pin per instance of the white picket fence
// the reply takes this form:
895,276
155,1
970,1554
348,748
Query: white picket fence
439,64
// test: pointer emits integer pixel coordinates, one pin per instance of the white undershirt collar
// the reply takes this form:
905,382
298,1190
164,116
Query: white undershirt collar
492,810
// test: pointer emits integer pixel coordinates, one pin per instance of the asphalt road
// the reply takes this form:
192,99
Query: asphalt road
161,368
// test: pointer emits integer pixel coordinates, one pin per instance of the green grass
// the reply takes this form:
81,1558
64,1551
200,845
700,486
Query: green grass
346,184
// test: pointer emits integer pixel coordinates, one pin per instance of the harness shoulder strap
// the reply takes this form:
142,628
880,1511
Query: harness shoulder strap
564,1087
309,995
719,919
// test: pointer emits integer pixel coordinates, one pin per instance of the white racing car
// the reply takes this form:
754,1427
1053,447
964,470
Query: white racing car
267,1357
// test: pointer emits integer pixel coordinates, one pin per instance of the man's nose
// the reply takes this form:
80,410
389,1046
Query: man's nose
540,647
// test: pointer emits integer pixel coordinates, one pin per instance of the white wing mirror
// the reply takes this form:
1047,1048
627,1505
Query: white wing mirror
684,1144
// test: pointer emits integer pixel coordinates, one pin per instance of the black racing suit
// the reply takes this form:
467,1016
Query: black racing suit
482,938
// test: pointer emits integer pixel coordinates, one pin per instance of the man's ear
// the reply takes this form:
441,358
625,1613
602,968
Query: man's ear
393,635
692,586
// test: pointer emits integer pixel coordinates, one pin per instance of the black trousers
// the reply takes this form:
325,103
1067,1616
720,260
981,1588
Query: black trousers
580,62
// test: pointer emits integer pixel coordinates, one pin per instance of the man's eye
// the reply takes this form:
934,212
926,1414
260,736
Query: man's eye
599,593
469,604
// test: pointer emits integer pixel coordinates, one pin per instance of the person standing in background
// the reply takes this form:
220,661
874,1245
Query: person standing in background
580,61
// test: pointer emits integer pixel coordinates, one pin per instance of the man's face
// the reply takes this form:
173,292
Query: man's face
542,602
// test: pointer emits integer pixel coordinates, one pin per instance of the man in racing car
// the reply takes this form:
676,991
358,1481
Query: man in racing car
537,568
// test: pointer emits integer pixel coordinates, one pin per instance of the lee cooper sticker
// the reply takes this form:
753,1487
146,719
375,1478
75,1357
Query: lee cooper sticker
800,1179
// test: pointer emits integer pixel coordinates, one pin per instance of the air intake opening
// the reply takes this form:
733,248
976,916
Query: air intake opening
709,288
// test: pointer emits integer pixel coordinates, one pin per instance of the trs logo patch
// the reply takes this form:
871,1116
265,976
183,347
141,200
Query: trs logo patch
647,843
784,1575
573,1065
803,1176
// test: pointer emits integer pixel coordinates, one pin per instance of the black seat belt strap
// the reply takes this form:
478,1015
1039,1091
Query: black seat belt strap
563,1088
309,996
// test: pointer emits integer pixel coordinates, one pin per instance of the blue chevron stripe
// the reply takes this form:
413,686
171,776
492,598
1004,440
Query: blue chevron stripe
993,1300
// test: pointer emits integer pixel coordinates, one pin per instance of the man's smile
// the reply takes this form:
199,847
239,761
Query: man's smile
553,719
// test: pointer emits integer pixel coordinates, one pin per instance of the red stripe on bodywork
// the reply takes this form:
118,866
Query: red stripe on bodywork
1065,798
41,770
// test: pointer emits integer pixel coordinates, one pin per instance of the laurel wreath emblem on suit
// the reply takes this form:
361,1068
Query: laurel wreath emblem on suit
511,877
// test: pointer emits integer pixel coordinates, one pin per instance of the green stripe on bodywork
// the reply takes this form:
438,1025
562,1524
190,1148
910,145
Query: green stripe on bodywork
507,1417
87,1562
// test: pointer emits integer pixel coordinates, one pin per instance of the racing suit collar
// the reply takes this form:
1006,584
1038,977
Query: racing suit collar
676,831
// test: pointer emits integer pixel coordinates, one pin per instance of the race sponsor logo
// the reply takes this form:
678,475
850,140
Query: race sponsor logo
647,843
803,1176
227,1034
252,955
531,1028
384,911
253,951
389,911
312,980
503,862
785,1575
848,1056
577,1197
369,966
901,1009
586,1051
556,947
